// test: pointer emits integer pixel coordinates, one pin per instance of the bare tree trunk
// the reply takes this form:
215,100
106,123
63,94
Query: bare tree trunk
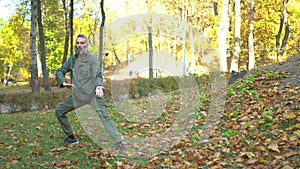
66,46
42,46
116,56
193,60
283,21
216,7
237,40
150,52
71,26
35,86
150,41
250,37
222,40
101,33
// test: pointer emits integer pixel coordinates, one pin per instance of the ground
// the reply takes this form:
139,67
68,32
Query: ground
291,65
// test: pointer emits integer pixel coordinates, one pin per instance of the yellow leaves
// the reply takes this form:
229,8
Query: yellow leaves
9,147
38,151
58,149
289,115
246,155
297,133
64,163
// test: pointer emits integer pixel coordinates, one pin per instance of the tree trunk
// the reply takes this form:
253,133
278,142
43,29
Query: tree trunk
42,46
250,37
283,21
150,41
237,40
66,46
150,52
116,56
222,40
101,33
216,7
71,26
193,60
35,87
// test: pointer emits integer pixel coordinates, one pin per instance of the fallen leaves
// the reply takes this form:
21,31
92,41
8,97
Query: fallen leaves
260,128
273,147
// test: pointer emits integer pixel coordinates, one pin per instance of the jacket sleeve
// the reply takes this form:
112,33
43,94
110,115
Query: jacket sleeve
96,70
61,72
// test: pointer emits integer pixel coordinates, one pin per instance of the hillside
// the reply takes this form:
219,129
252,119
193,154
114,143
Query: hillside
259,128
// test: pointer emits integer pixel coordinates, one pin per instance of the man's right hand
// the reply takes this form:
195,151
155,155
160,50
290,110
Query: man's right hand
69,85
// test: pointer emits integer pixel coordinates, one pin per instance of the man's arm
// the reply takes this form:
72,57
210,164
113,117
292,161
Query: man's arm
61,72
96,70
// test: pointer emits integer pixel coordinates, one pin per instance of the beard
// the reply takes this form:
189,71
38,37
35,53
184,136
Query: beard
81,51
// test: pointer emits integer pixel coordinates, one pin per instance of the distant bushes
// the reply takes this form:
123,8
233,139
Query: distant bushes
26,101
135,88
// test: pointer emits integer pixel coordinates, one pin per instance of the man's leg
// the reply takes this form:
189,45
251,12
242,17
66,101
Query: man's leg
62,109
107,122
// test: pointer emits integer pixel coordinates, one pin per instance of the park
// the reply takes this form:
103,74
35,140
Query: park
188,84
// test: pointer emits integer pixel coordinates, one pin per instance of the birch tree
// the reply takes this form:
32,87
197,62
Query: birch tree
35,86
283,22
222,40
237,38
150,42
250,37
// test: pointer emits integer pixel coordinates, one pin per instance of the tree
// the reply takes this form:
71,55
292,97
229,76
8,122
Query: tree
35,87
283,21
237,38
42,46
150,42
250,36
71,26
101,33
67,35
222,40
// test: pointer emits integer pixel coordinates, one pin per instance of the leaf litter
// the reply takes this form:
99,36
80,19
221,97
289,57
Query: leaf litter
259,128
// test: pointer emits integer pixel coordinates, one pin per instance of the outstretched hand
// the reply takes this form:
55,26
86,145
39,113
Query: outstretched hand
99,91
69,85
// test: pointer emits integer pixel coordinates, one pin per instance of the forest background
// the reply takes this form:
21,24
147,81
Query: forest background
248,34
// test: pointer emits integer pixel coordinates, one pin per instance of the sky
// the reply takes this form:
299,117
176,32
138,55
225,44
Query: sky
6,8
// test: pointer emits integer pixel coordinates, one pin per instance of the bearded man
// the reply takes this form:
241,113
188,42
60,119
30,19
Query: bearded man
87,88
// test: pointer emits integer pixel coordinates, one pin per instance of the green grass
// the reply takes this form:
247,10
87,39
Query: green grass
34,139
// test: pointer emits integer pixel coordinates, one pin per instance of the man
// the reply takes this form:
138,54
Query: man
87,88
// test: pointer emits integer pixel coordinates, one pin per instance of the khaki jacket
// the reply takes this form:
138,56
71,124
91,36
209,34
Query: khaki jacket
85,74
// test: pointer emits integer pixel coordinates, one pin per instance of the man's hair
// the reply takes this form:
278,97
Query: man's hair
81,36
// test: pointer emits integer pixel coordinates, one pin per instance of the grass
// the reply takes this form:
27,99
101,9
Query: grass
34,139
254,132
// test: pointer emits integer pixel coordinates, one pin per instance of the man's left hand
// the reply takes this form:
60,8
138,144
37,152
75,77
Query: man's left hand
99,91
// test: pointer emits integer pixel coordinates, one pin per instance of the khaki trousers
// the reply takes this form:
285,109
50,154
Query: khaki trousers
99,105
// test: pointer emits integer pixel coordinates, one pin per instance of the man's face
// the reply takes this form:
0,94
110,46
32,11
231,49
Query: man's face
81,46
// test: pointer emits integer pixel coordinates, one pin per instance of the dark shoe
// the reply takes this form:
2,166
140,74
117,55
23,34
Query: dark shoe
71,141
121,147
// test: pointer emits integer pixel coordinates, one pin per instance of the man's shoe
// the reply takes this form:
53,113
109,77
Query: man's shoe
121,147
71,141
